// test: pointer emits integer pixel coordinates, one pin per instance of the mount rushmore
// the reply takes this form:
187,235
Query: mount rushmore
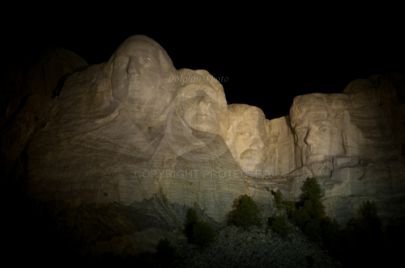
138,132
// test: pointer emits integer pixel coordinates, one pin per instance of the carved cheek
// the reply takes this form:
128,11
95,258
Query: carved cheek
187,112
337,146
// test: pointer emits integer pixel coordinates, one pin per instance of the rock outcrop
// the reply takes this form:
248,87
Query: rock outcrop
280,156
120,134
29,106
247,137
351,142
138,133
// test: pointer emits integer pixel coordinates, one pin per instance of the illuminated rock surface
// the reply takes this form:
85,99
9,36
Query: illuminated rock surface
352,143
247,137
138,134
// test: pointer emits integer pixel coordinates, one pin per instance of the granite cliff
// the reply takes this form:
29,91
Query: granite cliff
136,133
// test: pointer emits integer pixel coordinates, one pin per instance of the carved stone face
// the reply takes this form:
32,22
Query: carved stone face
201,102
246,136
144,70
320,138
201,108
201,113
321,124
140,70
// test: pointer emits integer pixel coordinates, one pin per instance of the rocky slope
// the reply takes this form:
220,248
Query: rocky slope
258,248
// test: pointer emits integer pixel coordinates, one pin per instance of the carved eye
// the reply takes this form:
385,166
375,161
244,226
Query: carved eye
145,61
241,134
323,129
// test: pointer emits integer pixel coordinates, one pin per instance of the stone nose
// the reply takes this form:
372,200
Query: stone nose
309,137
203,104
133,67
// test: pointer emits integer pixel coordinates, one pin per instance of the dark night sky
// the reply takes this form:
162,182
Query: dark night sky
265,62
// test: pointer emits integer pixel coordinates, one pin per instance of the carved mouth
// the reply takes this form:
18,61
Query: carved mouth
315,157
251,154
204,117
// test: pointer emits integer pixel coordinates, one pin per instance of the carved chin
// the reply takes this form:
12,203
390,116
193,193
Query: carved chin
320,154
204,123
251,168
250,159
205,127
